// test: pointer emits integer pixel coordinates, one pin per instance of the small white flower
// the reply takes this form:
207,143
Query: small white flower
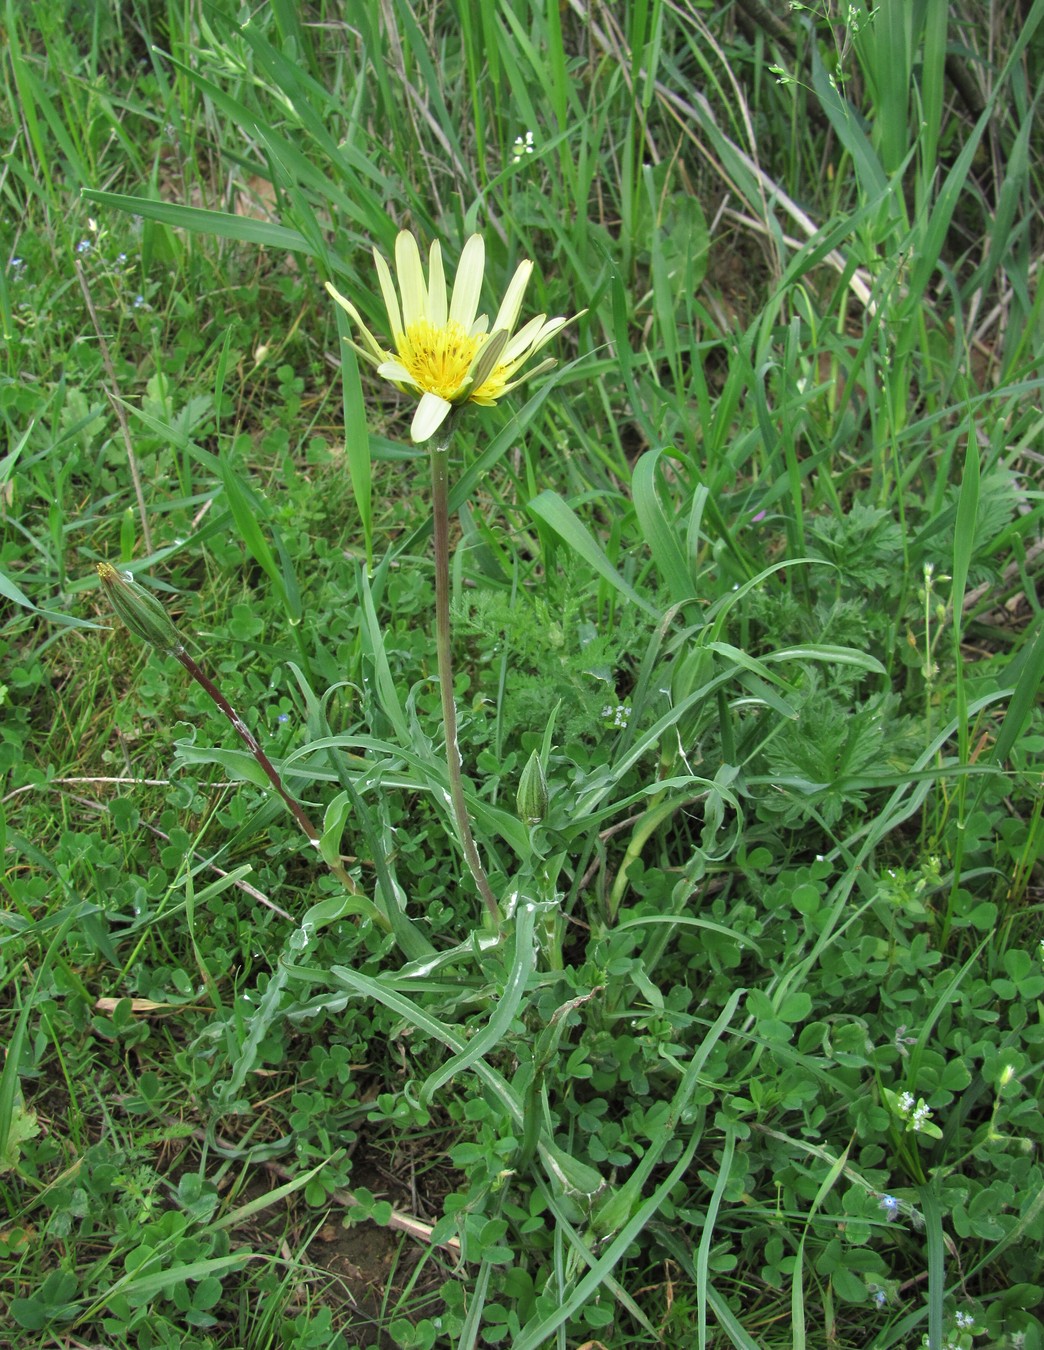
522,147
964,1320
916,1114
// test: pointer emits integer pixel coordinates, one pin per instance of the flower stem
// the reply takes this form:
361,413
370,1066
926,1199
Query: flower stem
440,521
271,773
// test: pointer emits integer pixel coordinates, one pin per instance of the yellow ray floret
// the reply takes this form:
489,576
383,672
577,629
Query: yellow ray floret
443,354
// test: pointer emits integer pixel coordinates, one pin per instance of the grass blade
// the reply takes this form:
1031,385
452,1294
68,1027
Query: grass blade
707,1236
201,221
550,508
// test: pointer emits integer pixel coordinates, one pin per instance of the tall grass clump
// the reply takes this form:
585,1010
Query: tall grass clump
554,865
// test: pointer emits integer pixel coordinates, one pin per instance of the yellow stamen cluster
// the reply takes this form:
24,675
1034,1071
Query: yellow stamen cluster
438,359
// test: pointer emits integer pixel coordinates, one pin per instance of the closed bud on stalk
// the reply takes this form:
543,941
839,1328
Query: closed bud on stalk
140,610
532,792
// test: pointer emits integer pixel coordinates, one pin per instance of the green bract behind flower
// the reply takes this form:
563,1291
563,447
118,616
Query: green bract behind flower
443,353
139,609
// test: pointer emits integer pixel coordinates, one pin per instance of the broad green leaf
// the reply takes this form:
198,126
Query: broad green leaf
662,536
523,960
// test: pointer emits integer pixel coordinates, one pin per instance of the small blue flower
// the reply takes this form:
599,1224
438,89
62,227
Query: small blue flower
891,1207
84,246
284,717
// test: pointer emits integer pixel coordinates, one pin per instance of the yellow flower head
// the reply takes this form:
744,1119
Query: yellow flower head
443,354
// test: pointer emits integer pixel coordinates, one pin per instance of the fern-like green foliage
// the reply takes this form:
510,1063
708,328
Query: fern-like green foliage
818,759
866,546
554,652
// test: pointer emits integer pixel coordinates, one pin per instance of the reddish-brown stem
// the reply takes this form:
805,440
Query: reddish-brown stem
247,737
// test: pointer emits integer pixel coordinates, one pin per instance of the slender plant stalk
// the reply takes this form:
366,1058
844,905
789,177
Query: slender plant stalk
271,772
440,519
113,393
146,617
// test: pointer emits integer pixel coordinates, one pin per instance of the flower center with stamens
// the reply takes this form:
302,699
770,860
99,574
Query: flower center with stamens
438,358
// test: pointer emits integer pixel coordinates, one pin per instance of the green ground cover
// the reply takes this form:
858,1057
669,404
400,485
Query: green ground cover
749,1054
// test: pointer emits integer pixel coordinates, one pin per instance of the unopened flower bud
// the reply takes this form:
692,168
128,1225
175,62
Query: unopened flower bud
140,610
532,792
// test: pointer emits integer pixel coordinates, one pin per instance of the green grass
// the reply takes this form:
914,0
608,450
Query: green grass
755,572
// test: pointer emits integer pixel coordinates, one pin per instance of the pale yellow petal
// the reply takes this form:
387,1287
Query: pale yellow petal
431,412
523,338
373,351
549,330
436,287
411,279
507,315
396,372
467,285
391,302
